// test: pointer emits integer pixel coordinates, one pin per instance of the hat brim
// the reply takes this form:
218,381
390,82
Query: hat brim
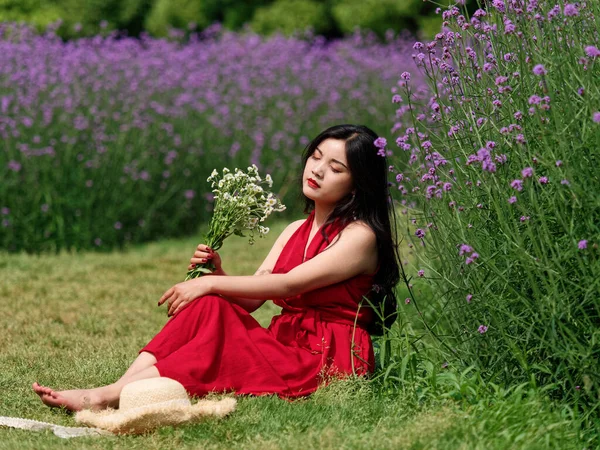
148,418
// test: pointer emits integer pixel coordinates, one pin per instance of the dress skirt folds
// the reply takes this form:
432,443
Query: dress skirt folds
215,345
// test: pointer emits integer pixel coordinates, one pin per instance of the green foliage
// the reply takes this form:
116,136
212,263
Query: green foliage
167,14
232,13
330,17
132,10
290,16
429,26
377,15
21,6
36,12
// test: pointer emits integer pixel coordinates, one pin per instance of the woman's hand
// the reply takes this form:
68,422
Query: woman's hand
204,254
182,294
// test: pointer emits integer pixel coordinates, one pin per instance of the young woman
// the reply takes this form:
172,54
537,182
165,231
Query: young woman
320,271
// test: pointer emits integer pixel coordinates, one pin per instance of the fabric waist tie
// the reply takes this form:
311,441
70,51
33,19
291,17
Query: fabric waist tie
312,316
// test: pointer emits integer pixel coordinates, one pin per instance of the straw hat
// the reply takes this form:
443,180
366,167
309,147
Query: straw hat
147,404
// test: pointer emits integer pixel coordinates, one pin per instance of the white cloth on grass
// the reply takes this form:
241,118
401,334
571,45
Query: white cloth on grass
60,431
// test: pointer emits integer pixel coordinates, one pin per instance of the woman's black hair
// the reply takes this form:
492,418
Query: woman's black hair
372,203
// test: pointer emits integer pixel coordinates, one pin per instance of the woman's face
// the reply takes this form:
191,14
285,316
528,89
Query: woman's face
329,168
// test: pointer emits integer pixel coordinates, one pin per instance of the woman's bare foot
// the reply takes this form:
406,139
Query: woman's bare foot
73,400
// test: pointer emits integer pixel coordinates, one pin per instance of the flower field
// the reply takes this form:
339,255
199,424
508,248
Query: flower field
110,140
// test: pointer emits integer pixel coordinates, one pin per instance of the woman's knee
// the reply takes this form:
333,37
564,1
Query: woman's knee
206,302
213,301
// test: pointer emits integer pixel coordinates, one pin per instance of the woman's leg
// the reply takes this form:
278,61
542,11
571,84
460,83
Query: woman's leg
143,361
98,398
191,323
181,329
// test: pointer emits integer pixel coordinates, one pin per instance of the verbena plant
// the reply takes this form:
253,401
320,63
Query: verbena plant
503,170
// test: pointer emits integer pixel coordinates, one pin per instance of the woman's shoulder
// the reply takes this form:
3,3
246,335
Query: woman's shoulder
362,227
358,231
291,229
356,226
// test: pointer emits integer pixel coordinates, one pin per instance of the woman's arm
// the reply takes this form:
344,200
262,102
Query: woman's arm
351,256
249,304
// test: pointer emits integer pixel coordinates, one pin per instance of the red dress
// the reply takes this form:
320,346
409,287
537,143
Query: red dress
215,345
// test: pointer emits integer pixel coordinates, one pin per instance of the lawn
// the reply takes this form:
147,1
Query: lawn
78,320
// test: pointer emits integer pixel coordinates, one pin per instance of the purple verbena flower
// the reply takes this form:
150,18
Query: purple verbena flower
596,117
535,100
499,5
380,142
482,329
527,172
15,166
420,233
469,298
543,180
512,200
464,248
517,184
570,10
582,244
501,80
592,51
539,69
421,273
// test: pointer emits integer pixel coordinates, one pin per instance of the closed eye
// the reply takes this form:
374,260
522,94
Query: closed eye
334,171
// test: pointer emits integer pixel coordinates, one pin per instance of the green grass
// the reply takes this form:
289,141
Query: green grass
78,320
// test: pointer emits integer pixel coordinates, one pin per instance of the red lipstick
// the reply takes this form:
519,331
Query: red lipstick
313,183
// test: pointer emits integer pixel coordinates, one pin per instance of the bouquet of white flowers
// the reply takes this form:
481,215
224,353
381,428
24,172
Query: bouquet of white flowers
240,204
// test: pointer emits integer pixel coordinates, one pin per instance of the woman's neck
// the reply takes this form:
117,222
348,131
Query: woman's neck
321,214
